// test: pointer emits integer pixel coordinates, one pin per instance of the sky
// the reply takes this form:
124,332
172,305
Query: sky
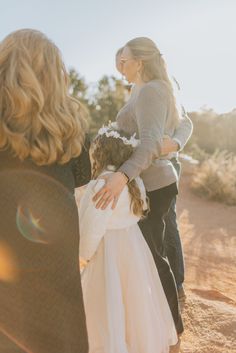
196,37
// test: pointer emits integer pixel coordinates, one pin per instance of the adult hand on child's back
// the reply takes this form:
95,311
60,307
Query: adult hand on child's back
110,192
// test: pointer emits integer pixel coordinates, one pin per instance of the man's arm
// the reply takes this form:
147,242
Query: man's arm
183,131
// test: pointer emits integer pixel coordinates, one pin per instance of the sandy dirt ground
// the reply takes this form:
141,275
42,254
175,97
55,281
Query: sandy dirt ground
208,232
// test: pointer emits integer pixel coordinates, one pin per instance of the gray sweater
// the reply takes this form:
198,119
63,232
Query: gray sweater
149,114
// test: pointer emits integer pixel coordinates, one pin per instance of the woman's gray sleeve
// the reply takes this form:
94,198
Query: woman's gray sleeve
151,113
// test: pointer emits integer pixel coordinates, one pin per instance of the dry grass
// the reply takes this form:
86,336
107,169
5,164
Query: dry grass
216,178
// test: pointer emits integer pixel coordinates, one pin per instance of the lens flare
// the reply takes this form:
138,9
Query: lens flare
29,225
8,264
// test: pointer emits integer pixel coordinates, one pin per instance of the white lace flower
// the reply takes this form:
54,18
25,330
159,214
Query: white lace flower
111,168
110,131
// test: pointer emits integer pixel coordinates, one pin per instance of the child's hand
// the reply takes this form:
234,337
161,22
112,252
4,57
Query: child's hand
82,263
110,192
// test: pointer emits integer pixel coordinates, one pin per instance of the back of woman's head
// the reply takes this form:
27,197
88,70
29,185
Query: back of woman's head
110,150
153,66
38,119
145,49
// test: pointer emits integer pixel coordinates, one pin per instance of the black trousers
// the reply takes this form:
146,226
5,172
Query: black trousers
153,229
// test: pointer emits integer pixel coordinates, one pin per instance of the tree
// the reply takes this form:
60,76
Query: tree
103,101
109,98
78,87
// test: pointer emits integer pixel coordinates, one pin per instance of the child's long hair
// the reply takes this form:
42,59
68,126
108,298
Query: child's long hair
111,151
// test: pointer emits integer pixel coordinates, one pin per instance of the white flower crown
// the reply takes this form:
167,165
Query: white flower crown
111,131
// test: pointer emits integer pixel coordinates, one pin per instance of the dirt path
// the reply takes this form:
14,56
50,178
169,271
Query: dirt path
208,231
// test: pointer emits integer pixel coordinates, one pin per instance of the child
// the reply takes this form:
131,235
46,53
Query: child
126,308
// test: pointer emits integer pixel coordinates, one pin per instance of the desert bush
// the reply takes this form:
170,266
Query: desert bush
197,153
216,178
212,131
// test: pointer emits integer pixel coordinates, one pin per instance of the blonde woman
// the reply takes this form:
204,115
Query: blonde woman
41,136
169,150
151,113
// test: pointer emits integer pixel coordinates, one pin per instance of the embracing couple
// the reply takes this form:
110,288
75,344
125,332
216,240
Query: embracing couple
129,291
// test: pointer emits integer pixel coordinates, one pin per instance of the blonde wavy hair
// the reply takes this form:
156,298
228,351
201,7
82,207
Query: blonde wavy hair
154,67
112,151
38,118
